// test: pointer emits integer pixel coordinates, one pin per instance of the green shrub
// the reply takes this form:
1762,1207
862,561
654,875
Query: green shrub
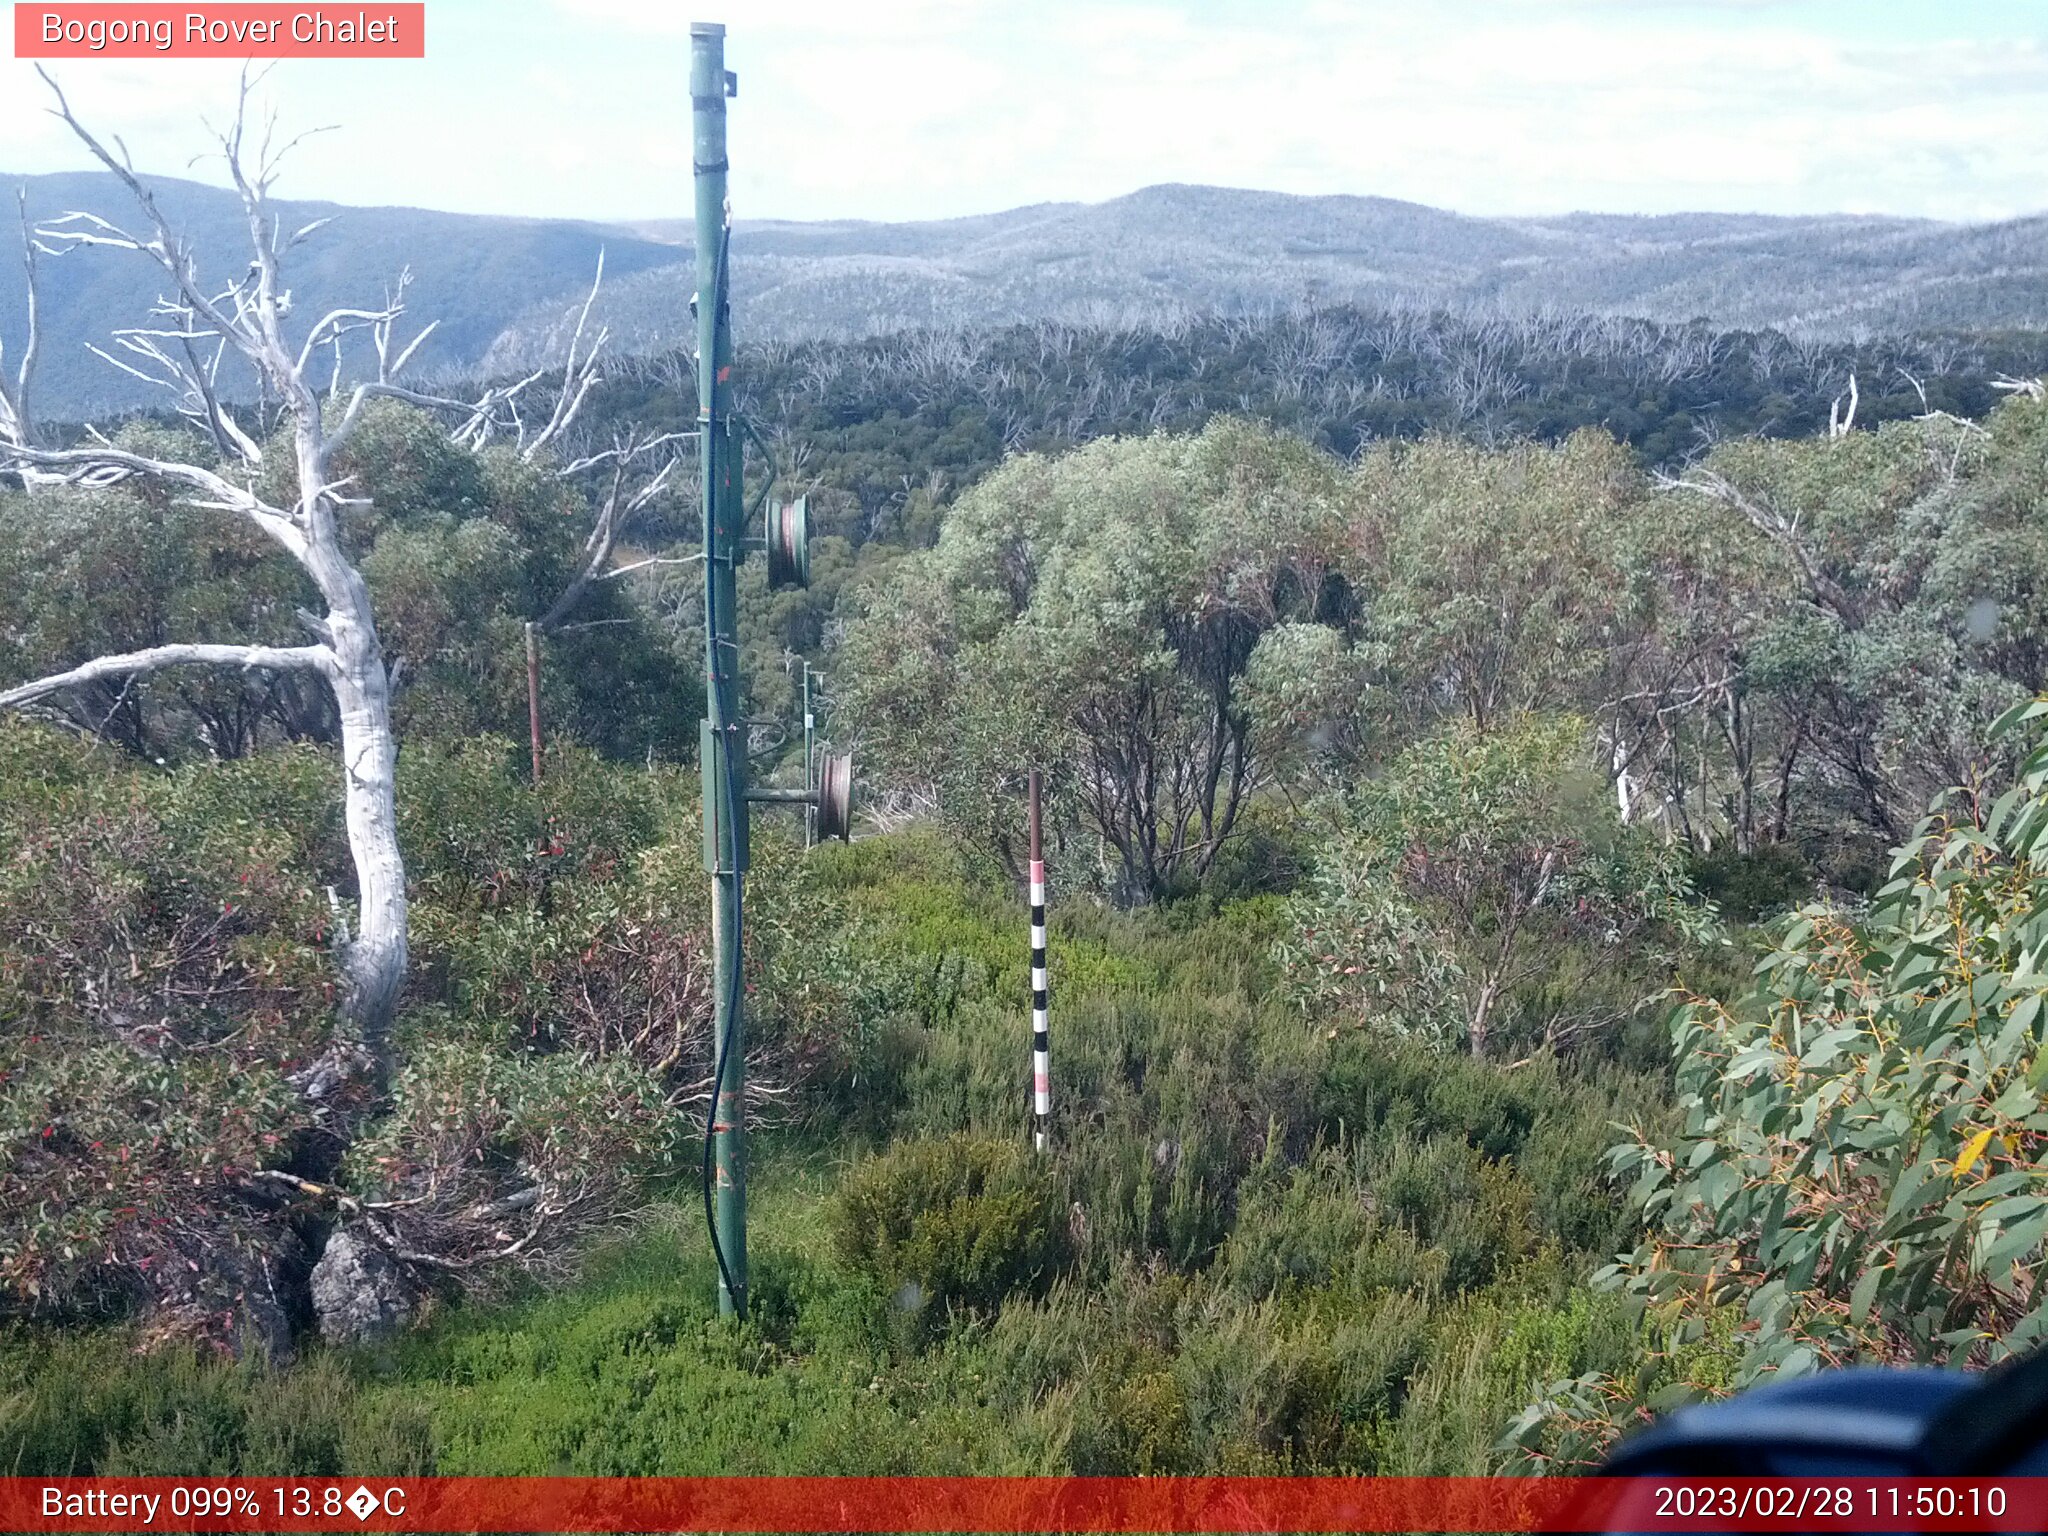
962,1221
82,1405
1541,1119
1858,1172
1317,1227
1276,1388
477,835
1748,886
163,968
1477,1211
1268,856
1481,887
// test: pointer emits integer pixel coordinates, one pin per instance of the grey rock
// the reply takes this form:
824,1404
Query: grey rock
360,1293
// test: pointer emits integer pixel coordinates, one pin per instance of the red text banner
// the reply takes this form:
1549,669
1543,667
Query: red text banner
1021,1504
220,31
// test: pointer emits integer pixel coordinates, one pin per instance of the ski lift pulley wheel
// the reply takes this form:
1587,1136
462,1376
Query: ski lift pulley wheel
835,797
789,543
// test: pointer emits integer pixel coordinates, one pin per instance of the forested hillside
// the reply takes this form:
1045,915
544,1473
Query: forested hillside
507,290
871,417
1170,252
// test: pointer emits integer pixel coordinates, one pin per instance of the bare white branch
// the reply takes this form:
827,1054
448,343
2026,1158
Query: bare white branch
398,366
579,374
338,322
1776,524
647,563
1840,422
104,465
302,658
619,503
630,448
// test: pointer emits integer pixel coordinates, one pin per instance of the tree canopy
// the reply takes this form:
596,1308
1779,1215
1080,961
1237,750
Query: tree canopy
1097,614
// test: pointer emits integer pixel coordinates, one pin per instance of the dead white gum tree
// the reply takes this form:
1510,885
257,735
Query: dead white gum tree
194,327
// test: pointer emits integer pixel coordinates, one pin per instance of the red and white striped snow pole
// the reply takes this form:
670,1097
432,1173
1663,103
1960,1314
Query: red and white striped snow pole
1041,1043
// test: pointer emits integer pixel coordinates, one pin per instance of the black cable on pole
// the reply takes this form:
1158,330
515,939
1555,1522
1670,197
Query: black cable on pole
717,1088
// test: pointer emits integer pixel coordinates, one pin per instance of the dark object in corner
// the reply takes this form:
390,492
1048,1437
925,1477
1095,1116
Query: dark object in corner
1862,1422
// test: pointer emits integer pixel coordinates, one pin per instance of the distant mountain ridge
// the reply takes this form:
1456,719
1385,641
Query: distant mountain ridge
473,274
505,289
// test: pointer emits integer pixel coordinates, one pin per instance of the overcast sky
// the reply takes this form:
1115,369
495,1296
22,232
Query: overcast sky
904,109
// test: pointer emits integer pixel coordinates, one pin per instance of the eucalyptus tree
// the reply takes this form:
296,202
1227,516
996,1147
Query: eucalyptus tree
1899,582
1501,580
1856,1177
1096,614
1483,880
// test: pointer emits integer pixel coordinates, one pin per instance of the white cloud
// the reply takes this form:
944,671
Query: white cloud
930,108
877,20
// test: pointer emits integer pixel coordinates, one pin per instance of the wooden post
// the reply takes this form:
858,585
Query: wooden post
533,697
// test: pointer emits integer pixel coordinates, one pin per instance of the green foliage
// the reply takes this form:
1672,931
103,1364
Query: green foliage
458,549
1857,1177
1303,689
478,836
461,548
1324,1224
1795,644
107,571
1097,614
1268,857
161,971
1751,886
962,1221
1482,875
1878,593
87,1404
1506,580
